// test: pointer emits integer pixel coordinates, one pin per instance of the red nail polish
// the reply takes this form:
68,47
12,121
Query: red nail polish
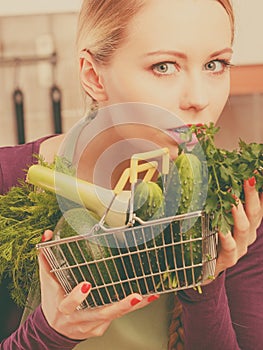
135,301
152,298
47,236
44,237
252,181
85,288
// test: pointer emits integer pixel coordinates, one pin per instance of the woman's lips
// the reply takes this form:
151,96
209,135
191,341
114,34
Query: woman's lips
183,134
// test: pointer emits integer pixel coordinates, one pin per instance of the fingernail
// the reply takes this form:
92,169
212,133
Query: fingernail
135,301
152,298
236,199
47,235
252,181
85,288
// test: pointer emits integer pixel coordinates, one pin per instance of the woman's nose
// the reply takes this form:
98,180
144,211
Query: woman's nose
194,94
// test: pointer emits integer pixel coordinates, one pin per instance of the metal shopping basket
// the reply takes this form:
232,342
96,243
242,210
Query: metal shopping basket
155,256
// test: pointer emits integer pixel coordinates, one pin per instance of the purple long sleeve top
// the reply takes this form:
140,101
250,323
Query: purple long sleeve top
227,315
36,334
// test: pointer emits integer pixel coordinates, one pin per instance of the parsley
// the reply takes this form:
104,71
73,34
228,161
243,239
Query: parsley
227,171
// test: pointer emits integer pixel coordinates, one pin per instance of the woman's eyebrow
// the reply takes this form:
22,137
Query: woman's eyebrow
166,52
183,55
220,52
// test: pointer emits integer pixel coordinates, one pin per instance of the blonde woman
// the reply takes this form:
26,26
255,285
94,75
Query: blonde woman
174,54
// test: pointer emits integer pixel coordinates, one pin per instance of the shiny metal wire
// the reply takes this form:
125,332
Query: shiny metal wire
157,256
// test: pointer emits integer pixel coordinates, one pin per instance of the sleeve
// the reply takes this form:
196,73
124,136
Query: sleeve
14,160
206,318
229,313
36,334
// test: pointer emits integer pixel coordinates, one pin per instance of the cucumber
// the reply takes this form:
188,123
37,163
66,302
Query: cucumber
192,199
148,201
141,259
191,180
73,257
185,193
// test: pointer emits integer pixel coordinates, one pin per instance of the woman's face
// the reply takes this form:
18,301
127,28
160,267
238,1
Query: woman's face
176,56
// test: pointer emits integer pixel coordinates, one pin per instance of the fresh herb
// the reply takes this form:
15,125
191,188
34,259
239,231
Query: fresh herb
227,171
25,212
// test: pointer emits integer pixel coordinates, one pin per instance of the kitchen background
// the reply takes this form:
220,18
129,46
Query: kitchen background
37,53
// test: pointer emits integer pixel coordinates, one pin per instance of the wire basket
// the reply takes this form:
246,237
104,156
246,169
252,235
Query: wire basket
157,256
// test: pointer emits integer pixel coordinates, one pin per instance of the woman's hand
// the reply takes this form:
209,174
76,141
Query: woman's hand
247,219
60,310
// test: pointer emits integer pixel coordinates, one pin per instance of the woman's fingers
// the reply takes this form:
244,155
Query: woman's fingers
242,230
227,255
247,219
105,313
116,310
44,271
253,203
70,303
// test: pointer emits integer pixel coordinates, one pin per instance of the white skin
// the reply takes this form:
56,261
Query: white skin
178,52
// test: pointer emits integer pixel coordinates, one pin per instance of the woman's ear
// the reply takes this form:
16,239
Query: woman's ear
90,77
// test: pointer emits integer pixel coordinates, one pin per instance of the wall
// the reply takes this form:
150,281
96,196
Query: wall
248,46
243,114
27,7
19,37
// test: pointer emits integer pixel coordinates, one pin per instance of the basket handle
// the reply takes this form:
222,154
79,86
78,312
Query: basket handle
161,152
136,168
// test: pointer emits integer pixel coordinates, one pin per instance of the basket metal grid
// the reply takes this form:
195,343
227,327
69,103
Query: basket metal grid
157,256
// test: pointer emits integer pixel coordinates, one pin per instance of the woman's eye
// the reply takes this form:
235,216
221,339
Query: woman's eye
217,66
164,68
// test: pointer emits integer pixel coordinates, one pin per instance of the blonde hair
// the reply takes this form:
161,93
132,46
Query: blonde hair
227,4
103,24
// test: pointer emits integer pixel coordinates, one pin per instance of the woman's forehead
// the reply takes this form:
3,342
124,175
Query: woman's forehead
179,23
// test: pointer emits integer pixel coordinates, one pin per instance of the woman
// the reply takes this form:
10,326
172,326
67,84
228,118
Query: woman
174,54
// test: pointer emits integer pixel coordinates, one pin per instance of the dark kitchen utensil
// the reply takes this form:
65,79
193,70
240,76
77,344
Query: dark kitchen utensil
56,95
18,99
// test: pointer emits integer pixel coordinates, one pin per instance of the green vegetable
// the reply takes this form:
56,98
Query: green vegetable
185,193
140,257
100,270
191,179
227,171
25,211
148,200
24,214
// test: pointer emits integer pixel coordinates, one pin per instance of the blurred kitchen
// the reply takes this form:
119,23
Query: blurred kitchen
40,92
243,114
